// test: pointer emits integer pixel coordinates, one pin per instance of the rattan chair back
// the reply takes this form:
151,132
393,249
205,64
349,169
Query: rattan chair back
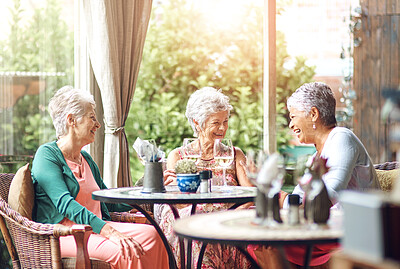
387,166
5,182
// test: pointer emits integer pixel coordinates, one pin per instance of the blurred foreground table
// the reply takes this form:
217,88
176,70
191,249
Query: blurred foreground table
236,228
134,197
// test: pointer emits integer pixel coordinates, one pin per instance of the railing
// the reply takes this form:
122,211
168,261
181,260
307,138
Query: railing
11,163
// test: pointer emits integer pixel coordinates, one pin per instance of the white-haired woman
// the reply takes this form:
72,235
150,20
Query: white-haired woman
64,177
208,113
312,119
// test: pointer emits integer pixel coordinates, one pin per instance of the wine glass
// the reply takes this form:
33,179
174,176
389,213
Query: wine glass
314,188
275,186
223,155
301,172
191,149
254,162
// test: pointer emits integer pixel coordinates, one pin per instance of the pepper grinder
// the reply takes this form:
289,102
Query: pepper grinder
293,215
205,177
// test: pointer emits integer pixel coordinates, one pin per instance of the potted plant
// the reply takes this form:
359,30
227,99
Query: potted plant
187,177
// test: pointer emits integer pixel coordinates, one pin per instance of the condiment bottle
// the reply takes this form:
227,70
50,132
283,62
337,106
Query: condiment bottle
205,185
293,215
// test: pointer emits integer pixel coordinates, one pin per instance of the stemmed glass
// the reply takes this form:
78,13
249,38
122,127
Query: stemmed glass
191,149
314,189
254,162
301,172
275,186
311,187
223,155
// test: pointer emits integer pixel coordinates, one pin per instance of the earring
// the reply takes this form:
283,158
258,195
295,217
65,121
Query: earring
313,126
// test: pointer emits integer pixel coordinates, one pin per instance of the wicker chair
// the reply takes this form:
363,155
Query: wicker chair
36,245
388,173
387,166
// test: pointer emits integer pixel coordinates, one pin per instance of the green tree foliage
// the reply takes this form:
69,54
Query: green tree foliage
42,43
184,51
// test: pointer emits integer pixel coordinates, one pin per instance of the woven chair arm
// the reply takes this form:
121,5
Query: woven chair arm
33,239
62,230
130,217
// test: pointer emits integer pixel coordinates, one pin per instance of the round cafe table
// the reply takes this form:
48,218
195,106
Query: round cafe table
133,196
236,228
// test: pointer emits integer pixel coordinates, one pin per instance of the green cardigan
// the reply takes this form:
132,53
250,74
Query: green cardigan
56,189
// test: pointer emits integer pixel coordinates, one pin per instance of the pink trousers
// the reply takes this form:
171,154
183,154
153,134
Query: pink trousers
103,249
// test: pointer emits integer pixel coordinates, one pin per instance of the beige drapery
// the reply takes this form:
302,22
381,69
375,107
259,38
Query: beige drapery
116,31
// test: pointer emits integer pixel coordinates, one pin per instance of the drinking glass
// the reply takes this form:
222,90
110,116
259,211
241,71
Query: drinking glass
314,188
254,162
275,186
191,149
223,155
301,172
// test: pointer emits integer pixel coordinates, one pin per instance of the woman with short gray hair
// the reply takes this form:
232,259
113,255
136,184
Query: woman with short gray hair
64,177
312,120
207,111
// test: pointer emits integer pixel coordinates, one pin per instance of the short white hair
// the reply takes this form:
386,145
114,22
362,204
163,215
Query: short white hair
65,101
204,102
318,95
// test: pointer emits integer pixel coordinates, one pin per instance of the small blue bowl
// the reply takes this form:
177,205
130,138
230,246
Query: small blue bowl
188,182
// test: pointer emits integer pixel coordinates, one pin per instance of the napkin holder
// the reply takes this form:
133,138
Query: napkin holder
320,205
153,181
261,202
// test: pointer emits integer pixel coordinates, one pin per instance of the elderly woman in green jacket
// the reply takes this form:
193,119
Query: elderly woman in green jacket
64,178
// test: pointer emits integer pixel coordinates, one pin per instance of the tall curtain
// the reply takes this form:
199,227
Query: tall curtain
116,31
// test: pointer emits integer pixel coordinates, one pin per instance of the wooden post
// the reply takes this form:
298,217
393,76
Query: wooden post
269,82
376,67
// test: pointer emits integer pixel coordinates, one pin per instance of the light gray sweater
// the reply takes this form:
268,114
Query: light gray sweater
350,166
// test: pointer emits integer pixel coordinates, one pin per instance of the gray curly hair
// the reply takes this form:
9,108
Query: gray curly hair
65,101
204,102
318,95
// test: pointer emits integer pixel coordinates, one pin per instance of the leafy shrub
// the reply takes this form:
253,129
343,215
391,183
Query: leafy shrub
182,53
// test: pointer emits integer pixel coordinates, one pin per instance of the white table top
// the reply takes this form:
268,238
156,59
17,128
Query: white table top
235,226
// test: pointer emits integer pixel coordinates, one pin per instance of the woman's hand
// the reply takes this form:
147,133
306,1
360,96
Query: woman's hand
169,177
127,244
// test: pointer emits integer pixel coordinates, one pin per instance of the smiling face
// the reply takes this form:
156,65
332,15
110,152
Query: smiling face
301,124
87,126
215,126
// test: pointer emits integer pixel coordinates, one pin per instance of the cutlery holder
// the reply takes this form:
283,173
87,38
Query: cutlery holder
153,181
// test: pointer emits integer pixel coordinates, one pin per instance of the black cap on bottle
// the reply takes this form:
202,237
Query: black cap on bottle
294,199
205,174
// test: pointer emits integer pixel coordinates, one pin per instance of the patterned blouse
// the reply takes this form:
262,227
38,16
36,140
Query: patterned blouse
215,256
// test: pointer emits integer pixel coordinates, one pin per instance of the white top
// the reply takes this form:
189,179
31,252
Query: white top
350,166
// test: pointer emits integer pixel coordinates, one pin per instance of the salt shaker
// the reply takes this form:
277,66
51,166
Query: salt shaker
205,185
293,215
